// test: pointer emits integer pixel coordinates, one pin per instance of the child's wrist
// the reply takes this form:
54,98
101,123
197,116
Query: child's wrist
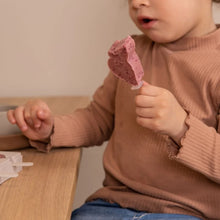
46,139
181,130
177,137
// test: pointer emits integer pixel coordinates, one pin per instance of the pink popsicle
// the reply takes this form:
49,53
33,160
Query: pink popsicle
125,63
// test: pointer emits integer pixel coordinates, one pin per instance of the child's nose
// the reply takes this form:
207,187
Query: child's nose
139,3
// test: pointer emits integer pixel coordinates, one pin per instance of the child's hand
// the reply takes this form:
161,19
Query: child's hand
34,119
158,110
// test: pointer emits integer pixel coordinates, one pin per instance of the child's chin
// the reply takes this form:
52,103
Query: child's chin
159,37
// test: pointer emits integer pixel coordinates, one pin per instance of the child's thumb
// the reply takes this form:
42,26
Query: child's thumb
45,115
145,83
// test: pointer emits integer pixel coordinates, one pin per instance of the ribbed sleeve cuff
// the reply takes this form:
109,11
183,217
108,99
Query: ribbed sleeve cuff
59,136
41,146
198,147
198,141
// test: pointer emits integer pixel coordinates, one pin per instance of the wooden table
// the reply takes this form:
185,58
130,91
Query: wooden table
44,191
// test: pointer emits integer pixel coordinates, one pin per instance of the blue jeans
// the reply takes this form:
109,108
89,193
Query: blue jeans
101,210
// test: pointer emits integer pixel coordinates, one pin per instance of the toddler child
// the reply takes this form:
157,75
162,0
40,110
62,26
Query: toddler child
162,160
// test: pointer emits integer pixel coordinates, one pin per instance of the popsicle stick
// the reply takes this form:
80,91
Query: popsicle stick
23,164
137,86
8,175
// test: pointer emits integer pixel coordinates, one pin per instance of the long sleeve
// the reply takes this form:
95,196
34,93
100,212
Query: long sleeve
86,127
200,148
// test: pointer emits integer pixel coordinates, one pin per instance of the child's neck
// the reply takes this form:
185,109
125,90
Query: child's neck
203,29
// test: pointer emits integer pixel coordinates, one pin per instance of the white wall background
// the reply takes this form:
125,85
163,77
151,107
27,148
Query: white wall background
59,47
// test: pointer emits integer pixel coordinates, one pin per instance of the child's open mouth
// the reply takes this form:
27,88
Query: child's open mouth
146,22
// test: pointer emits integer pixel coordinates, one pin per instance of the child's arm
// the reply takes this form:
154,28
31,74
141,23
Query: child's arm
196,144
200,148
88,126
84,127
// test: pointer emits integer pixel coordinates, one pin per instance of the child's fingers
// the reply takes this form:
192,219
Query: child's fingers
28,117
145,112
144,101
36,121
10,116
36,113
145,122
19,117
41,115
45,115
32,115
150,90
150,123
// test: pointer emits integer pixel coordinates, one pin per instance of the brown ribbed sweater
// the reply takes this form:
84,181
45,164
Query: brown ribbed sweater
146,170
